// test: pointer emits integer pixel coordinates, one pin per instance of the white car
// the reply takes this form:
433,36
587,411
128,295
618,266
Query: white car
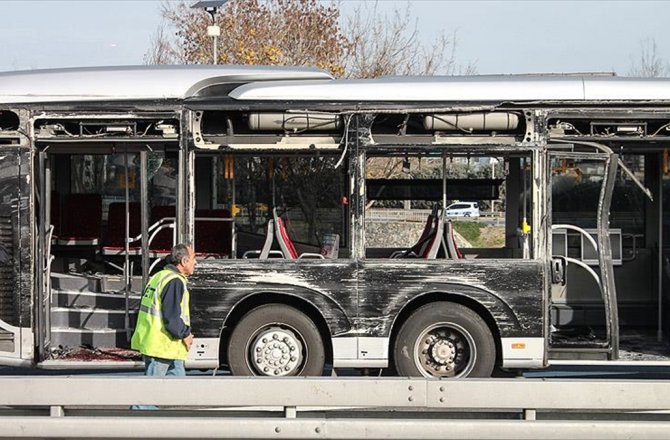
463,209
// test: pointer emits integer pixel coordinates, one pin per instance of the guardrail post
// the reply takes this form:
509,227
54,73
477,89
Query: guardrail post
56,411
530,414
290,412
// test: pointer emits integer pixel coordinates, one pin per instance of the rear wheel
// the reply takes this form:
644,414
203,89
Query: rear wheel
276,340
444,339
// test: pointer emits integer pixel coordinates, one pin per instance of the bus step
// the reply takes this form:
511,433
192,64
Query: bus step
75,283
113,301
116,283
91,318
106,337
582,354
93,283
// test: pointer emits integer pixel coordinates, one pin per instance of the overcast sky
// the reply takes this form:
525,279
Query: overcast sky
501,37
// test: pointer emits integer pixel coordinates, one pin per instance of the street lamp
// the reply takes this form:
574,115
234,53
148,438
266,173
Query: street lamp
214,31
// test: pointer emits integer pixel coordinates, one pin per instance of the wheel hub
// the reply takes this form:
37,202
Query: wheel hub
276,352
443,352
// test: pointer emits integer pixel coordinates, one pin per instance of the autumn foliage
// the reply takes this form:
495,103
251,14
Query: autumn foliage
278,32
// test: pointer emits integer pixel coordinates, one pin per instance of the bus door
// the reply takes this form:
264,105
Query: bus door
16,279
581,253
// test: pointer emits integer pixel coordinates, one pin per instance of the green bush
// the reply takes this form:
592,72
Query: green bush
469,230
480,235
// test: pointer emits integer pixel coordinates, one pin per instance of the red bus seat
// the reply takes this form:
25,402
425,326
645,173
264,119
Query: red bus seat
213,238
436,240
266,251
419,248
452,248
286,244
115,241
82,219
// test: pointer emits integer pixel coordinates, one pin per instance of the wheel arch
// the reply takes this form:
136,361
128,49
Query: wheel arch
258,299
433,297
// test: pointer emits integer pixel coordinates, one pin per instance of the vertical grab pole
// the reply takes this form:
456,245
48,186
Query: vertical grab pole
233,244
525,189
126,265
144,214
524,232
444,184
659,332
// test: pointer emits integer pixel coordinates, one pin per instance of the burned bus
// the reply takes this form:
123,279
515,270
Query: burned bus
430,226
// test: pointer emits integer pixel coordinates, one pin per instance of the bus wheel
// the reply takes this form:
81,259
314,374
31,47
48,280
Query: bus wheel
444,340
276,340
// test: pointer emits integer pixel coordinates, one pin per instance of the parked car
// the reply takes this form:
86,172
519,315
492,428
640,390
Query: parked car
463,209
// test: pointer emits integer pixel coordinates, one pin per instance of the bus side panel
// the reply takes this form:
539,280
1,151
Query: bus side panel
220,285
510,290
16,280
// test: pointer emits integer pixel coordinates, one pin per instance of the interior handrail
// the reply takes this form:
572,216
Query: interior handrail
161,223
577,229
586,267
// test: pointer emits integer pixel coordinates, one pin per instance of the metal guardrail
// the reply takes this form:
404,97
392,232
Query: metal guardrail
420,216
405,215
325,408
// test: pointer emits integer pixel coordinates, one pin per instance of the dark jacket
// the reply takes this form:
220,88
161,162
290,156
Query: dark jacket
173,292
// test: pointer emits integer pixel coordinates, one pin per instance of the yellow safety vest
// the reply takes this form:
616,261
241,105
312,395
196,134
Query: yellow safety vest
150,337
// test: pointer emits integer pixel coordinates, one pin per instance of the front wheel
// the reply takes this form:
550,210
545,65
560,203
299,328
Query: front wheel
444,339
276,340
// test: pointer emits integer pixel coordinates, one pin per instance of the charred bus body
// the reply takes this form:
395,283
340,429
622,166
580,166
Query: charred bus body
318,209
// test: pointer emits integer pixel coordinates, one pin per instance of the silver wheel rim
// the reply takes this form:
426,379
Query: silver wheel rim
276,350
445,349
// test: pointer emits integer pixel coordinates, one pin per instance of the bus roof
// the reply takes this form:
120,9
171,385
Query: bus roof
129,83
479,88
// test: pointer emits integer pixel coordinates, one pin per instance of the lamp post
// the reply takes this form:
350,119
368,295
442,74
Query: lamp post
214,31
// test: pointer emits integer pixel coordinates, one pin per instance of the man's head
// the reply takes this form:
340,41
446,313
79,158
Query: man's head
183,257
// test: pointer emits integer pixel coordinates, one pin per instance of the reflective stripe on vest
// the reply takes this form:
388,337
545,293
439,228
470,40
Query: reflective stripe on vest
150,336
150,310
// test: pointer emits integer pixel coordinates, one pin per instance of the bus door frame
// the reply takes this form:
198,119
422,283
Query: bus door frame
604,247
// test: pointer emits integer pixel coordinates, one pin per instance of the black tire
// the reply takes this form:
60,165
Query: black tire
444,339
282,333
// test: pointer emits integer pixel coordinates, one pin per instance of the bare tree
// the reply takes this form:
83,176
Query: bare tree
382,44
305,32
161,51
649,64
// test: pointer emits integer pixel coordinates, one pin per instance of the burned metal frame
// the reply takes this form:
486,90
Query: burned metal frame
607,286
344,313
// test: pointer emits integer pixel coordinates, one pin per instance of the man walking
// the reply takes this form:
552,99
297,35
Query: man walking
163,330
